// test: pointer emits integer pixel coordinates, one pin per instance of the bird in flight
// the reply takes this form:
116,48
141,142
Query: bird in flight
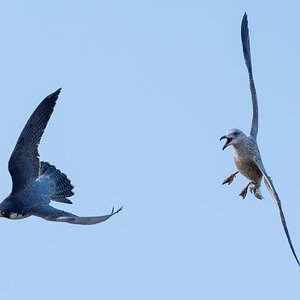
35,183
246,153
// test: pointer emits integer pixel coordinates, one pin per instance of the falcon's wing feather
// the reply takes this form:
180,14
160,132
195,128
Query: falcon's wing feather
277,202
247,56
24,163
52,214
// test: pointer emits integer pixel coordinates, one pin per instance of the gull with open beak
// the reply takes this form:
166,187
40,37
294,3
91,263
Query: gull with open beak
246,153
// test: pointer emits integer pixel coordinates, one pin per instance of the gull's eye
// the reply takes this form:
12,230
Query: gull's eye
236,134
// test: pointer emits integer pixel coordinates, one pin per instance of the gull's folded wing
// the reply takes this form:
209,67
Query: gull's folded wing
247,56
277,202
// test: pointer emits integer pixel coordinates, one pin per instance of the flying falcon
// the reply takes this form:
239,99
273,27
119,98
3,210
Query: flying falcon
36,183
246,153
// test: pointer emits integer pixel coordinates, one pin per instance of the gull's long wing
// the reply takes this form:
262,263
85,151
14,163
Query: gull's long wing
277,202
24,163
52,214
247,56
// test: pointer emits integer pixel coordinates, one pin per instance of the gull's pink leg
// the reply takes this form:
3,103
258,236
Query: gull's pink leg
244,191
230,178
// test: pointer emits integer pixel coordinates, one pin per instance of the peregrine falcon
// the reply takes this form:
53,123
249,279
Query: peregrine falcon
35,183
246,153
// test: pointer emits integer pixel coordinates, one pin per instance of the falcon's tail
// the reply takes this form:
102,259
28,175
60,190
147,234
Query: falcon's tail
62,184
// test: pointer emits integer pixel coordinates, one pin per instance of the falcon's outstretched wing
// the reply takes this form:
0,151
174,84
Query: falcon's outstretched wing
24,163
52,214
247,56
277,202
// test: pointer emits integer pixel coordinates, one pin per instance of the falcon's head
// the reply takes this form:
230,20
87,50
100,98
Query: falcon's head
6,209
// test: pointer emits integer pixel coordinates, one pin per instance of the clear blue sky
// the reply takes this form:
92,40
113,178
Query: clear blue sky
148,89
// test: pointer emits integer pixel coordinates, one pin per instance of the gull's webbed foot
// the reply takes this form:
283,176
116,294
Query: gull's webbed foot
244,191
230,178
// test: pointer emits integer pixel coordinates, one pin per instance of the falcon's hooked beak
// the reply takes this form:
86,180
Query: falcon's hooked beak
1,214
229,140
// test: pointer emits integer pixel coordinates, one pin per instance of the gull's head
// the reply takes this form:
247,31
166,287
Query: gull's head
234,137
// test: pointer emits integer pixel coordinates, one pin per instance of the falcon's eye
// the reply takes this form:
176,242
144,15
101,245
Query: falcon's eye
2,213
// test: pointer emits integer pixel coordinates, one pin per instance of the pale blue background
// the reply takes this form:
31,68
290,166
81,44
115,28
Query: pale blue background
148,89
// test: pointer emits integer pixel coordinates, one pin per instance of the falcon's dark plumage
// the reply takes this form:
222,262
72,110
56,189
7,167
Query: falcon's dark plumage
36,183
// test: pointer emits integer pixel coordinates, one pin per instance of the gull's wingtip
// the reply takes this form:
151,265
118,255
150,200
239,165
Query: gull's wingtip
245,21
245,38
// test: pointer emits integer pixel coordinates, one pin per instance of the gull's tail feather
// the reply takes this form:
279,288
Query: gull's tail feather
256,191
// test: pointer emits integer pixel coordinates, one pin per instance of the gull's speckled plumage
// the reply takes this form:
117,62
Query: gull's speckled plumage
36,183
246,153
